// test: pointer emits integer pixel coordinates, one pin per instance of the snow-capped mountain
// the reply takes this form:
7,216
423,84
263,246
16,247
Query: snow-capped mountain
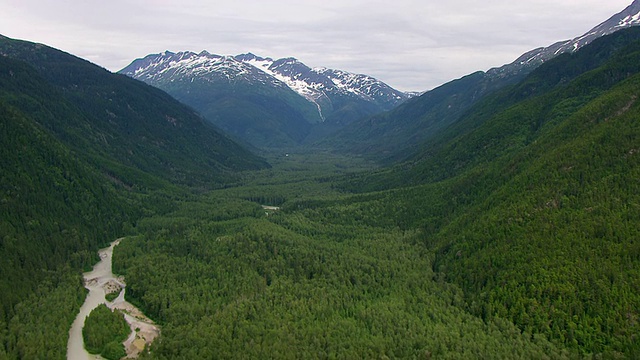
630,16
266,102
325,88
321,85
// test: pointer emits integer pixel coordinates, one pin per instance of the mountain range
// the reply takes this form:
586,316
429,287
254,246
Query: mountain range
281,101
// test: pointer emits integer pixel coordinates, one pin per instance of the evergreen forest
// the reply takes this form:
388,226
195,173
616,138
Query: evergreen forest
104,331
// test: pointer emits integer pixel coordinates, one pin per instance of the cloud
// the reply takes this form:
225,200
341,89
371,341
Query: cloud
410,44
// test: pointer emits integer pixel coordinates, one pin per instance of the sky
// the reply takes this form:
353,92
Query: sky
412,45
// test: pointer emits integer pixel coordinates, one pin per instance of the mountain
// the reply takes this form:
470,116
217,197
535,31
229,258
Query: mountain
266,102
239,98
324,87
124,126
85,154
394,135
55,206
397,134
529,201
610,58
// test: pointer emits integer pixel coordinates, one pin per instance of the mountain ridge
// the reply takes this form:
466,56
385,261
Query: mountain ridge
628,17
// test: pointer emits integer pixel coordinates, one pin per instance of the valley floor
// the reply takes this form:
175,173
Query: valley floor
327,275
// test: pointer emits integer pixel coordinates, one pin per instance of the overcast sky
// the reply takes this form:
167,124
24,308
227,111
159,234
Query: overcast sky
409,44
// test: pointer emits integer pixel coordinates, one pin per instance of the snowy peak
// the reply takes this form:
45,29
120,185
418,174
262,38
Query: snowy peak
191,67
363,86
296,75
250,57
628,17
317,83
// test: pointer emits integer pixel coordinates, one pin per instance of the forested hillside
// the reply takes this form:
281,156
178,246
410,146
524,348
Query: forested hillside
530,201
225,279
54,209
85,153
123,126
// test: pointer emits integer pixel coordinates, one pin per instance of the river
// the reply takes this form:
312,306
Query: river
98,281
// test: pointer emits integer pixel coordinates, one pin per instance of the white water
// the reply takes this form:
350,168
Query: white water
94,281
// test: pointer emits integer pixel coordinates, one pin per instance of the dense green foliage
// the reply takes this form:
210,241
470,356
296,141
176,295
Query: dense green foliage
531,200
83,155
38,326
306,284
104,331
554,248
53,210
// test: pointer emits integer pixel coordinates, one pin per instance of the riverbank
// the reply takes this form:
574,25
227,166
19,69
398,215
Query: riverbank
100,281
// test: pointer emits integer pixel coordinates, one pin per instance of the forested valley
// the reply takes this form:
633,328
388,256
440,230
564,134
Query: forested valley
513,234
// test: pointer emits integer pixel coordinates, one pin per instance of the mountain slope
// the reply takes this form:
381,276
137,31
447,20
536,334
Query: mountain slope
54,208
396,135
330,90
530,200
392,135
136,126
269,103
553,248
84,155
580,76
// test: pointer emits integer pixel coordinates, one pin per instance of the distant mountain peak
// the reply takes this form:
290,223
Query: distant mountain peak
251,56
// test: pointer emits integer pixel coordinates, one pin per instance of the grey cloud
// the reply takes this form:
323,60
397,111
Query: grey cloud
410,44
